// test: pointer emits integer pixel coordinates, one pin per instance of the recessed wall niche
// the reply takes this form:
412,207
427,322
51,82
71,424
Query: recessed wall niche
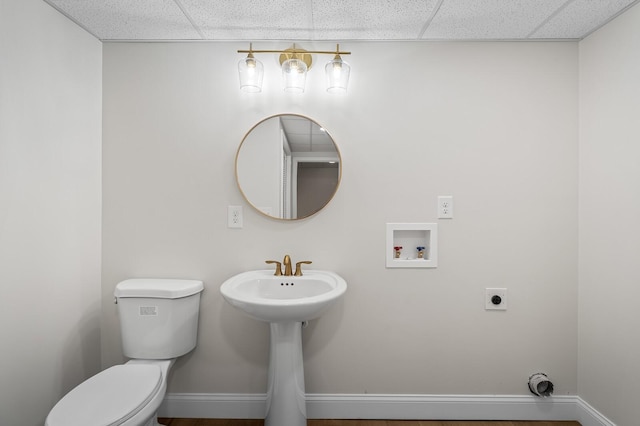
412,245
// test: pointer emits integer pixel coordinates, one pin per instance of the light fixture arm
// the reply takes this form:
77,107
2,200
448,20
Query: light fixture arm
297,50
250,51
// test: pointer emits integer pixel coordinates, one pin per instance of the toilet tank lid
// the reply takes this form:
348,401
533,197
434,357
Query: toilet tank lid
160,288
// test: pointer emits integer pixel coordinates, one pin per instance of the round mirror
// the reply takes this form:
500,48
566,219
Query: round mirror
288,167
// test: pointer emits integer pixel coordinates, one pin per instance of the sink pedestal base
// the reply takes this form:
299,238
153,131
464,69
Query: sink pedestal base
286,402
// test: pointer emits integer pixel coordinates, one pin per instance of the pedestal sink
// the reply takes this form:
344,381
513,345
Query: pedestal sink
285,302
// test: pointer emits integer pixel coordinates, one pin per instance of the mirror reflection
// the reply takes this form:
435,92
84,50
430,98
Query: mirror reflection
288,167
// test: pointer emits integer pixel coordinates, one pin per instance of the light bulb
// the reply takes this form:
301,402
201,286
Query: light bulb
337,72
251,73
294,74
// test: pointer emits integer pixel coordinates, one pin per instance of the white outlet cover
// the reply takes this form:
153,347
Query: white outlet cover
234,217
445,207
490,293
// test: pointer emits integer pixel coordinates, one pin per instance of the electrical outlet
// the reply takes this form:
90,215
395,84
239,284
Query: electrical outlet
234,217
495,299
445,207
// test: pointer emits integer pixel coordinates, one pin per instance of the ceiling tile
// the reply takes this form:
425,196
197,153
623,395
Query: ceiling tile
340,20
298,125
251,20
489,19
371,19
581,17
129,20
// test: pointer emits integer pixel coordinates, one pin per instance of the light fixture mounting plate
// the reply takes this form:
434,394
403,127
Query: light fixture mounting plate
296,53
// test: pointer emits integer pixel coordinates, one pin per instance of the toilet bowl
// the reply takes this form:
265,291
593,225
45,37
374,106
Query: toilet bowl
158,318
123,395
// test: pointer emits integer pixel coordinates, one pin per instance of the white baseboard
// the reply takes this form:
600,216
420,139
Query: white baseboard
400,407
441,407
213,406
589,416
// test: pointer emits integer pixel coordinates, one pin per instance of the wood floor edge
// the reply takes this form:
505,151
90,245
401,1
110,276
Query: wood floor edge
350,422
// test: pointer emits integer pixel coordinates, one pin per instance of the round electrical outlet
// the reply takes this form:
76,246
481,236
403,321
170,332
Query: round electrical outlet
495,299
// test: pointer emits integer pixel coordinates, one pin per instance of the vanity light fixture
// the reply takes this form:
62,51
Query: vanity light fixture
251,73
295,62
337,74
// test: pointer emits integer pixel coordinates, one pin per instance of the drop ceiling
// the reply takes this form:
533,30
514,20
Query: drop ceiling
340,20
304,135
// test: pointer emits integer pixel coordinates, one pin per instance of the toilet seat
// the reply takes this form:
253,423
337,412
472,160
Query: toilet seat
109,398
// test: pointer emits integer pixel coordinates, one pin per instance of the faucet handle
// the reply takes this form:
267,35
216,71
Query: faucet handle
298,272
278,267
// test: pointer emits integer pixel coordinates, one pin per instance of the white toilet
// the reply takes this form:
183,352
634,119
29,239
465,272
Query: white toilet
159,322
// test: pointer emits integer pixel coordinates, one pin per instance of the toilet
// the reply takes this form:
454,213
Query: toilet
158,322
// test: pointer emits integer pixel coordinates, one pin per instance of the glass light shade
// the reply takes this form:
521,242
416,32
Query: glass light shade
337,72
251,73
294,75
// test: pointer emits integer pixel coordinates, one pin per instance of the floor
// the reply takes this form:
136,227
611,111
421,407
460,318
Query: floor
223,422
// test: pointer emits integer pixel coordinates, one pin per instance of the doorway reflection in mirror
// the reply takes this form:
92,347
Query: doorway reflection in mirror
288,167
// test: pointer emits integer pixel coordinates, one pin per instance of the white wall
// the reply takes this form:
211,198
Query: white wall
493,124
609,375
50,201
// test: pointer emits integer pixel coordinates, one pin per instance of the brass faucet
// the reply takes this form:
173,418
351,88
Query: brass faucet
287,267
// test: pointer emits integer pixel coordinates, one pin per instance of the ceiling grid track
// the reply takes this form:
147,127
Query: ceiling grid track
549,18
312,23
190,19
430,19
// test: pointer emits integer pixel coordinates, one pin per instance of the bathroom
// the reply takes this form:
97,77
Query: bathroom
117,161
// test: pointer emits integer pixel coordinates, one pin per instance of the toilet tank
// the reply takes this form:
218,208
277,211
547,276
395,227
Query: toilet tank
158,317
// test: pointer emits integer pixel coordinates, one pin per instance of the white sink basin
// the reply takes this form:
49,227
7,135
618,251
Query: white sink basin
267,297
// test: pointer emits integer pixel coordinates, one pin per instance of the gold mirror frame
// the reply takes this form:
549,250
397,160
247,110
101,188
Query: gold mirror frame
247,158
